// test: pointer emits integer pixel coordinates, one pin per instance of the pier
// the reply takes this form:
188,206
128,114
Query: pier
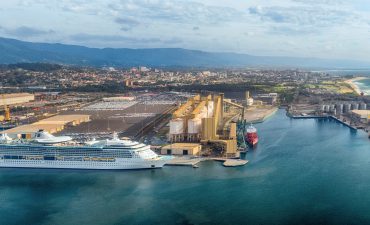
309,117
234,162
185,161
322,117
342,122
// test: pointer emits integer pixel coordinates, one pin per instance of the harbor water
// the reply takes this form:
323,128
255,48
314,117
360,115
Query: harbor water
304,171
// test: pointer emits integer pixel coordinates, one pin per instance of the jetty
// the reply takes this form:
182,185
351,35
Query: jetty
344,123
308,117
184,161
187,161
231,162
234,162
323,117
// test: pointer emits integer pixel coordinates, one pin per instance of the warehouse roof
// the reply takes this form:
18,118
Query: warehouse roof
15,95
52,124
64,119
31,128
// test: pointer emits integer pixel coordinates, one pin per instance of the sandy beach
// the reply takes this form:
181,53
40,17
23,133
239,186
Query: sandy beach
353,85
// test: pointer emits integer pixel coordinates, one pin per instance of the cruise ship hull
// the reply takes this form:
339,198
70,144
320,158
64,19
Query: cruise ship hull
118,165
48,151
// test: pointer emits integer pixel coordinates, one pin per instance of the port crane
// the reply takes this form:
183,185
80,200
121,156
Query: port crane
6,109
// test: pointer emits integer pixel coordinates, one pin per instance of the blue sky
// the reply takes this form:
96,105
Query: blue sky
304,28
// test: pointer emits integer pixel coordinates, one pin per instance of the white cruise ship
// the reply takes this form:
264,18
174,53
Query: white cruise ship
48,151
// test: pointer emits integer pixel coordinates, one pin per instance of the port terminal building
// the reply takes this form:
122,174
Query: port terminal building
181,149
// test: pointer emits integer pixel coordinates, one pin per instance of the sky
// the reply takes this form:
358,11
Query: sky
297,28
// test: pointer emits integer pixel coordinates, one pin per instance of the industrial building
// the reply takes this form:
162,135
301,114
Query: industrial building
269,99
248,99
52,125
181,149
343,107
206,120
16,98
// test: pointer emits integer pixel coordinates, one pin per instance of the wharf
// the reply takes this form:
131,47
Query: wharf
309,117
342,122
234,162
322,117
231,162
184,161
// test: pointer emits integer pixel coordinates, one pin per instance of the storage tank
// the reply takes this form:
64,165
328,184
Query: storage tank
363,106
339,108
323,108
203,113
249,101
327,108
210,109
354,106
346,108
332,107
177,126
194,126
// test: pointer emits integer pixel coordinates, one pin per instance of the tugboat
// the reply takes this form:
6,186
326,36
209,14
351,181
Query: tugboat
251,136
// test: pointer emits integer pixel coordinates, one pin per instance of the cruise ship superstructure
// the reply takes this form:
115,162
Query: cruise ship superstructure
48,151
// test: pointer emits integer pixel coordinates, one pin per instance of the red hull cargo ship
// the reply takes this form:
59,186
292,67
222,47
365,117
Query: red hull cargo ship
252,136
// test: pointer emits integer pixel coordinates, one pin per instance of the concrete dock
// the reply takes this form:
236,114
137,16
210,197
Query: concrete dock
344,123
323,117
234,162
184,161
187,161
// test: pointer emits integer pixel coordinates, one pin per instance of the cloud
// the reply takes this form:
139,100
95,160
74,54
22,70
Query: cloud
127,23
320,2
304,19
25,31
314,16
269,14
175,11
111,38
255,27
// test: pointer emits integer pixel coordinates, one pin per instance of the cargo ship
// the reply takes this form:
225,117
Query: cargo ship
47,151
251,136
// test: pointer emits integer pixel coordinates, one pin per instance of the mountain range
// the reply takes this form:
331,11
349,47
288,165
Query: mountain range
16,51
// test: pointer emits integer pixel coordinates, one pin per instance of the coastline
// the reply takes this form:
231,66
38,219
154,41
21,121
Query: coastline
353,85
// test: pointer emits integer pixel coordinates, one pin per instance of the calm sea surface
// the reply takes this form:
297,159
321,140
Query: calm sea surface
303,172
